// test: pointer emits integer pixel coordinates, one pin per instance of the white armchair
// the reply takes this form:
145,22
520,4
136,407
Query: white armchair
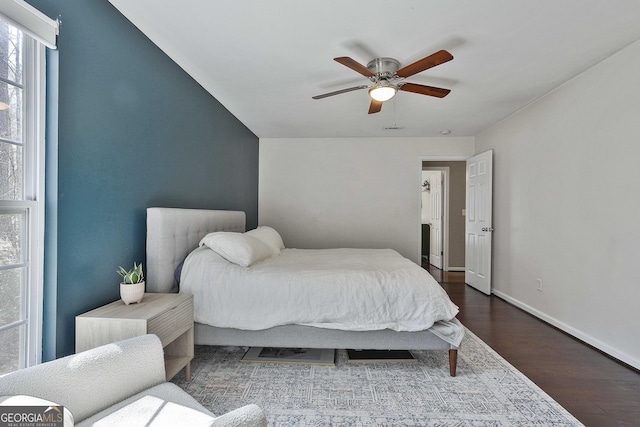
118,384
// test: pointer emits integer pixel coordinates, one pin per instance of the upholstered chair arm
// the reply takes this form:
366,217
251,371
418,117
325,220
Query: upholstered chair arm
249,416
88,382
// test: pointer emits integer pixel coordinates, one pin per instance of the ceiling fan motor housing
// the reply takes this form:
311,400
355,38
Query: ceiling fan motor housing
384,68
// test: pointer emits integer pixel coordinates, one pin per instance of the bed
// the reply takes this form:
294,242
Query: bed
174,233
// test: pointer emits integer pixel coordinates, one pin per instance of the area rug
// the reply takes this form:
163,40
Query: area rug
487,390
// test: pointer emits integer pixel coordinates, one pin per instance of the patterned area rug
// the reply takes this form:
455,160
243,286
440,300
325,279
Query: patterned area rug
487,390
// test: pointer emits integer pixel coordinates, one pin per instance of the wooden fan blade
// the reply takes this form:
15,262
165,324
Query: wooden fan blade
430,61
355,66
375,106
338,92
424,90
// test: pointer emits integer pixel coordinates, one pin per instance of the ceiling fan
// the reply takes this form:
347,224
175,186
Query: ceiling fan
387,78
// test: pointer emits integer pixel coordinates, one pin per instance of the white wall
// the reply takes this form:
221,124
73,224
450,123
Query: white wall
348,192
566,200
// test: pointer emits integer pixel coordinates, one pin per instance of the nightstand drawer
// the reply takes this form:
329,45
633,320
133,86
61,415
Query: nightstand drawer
171,324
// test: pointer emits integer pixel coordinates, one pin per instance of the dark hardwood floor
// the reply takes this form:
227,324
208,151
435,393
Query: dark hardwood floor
596,389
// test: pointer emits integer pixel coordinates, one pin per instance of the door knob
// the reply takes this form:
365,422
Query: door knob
488,229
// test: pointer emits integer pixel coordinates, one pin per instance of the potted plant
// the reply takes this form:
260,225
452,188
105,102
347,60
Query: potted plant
132,286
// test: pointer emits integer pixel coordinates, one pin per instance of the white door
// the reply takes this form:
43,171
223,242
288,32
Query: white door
435,251
479,224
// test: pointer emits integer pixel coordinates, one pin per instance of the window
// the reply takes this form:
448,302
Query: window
22,77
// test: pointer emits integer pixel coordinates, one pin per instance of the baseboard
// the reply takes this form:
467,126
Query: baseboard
586,338
456,269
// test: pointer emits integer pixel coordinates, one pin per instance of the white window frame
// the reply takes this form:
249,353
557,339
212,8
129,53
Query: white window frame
34,96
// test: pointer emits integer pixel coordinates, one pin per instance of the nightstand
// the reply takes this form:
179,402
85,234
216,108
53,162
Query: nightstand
169,316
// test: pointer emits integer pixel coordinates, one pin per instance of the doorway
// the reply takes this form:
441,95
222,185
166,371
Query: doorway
453,198
432,217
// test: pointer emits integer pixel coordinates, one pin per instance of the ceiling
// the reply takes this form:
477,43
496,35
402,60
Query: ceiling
265,59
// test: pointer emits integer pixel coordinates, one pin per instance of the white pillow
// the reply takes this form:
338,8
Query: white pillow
237,248
269,236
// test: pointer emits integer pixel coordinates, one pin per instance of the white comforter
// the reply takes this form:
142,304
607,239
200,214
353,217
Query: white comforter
348,289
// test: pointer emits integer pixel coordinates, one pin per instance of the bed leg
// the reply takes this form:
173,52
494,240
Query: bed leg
453,362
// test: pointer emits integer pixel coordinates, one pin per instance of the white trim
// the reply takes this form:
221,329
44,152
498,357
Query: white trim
570,330
34,116
35,97
444,158
31,21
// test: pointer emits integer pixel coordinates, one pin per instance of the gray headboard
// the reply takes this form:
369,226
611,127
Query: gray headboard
172,233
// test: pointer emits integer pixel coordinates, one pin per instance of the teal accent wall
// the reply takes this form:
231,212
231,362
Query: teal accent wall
133,131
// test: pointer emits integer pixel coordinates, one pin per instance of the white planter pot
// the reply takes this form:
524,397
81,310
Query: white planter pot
131,293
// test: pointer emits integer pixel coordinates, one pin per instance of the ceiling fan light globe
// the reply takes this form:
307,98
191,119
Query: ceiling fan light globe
382,93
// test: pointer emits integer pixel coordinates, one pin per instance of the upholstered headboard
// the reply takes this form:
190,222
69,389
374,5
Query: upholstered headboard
172,233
